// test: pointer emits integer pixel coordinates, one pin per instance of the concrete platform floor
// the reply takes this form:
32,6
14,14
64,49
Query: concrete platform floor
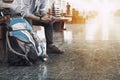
91,53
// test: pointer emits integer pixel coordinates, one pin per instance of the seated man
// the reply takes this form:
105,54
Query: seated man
35,10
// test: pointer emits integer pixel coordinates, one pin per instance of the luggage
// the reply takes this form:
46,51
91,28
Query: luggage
24,46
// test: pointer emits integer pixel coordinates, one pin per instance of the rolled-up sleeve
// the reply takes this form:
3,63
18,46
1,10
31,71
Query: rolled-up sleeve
43,7
22,7
16,6
25,8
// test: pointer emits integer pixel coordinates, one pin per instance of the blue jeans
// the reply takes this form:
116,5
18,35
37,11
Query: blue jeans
48,27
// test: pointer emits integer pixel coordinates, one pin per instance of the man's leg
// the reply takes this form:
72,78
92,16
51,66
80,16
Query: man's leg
48,32
49,38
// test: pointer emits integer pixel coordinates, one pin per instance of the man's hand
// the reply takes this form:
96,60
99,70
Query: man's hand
46,18
49,18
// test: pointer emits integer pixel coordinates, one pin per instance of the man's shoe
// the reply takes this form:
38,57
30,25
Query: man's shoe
53,49
43,58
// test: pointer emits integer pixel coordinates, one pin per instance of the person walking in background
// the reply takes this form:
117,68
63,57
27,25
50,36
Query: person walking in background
68,9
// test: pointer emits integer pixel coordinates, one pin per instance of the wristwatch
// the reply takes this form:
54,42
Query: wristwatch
40,17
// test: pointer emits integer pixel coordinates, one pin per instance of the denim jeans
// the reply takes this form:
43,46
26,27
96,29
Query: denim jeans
48,27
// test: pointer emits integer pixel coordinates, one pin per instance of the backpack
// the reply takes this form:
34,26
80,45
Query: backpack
24,46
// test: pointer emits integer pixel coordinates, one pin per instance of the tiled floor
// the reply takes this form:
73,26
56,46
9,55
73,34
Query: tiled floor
90,54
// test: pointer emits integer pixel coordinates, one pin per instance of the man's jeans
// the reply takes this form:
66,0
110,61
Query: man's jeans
48,27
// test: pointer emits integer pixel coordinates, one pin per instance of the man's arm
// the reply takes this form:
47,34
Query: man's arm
33,17
42,16
43,7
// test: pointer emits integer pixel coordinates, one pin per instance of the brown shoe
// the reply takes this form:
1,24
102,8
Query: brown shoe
53,50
